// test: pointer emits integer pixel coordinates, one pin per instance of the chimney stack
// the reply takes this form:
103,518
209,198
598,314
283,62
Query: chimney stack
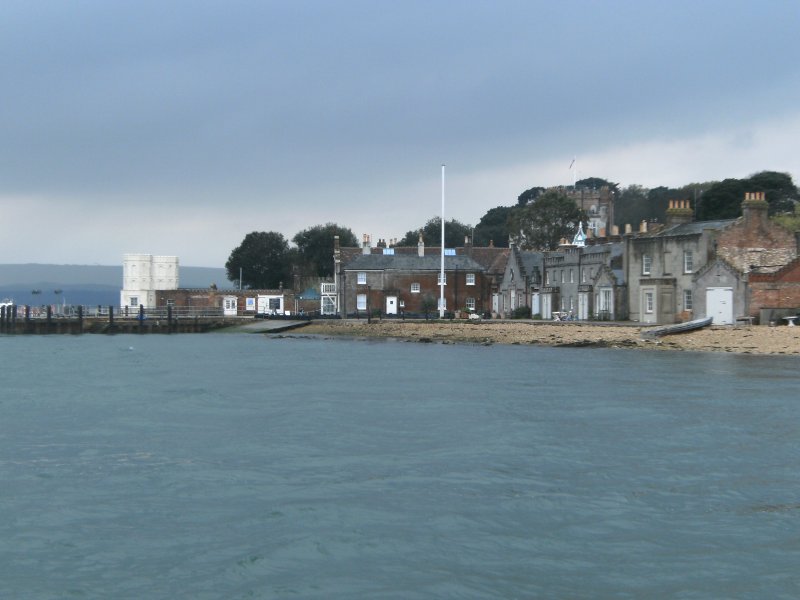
754,209
679,212
365,244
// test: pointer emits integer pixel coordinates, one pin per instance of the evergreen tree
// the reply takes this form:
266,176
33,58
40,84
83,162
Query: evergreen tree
263,258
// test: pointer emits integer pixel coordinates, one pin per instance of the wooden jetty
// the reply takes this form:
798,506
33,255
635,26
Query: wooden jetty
22,320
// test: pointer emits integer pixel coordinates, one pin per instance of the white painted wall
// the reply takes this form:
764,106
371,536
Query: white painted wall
143,274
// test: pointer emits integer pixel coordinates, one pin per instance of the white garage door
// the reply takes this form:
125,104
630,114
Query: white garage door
719,304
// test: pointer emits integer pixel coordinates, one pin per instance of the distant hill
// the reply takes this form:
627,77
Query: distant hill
85,284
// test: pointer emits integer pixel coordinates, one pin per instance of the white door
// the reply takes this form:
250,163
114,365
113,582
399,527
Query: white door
547,306
391,305
719,305
229,306
583,306
649,309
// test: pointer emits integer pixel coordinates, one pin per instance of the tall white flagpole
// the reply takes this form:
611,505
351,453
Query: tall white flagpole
441,274
574,172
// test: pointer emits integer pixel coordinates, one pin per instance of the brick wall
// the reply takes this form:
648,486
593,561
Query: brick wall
383,284
754,242
776,290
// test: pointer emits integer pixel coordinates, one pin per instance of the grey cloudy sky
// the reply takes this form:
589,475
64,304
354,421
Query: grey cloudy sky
177,127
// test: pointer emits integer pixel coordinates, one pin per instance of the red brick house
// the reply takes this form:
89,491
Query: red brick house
400,280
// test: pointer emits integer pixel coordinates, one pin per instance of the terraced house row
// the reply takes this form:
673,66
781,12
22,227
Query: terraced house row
658,274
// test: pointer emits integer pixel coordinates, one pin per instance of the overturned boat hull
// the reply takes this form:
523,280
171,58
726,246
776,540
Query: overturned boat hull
678,327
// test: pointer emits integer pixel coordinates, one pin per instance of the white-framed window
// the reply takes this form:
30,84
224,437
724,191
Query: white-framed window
362,278
647,264
361,302
583,275
134,301
687,299
688,261
470,278
562,275
571,304
415,288
547,277
648,302
572,276
470,304
439,278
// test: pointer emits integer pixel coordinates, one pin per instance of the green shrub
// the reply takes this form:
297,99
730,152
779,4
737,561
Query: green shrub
522,312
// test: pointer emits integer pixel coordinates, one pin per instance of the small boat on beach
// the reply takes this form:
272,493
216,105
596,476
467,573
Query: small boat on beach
677,327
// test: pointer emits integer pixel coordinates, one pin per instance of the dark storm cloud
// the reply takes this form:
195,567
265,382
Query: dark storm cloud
186,103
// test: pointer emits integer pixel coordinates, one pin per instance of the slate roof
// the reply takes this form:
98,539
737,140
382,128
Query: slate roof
693,228
603,248
530,261
410,262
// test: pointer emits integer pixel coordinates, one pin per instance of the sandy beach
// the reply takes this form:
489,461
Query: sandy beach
741,339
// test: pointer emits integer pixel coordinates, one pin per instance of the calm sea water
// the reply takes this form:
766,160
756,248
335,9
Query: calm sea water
241,466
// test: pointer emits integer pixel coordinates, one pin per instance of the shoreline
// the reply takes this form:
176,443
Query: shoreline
743,339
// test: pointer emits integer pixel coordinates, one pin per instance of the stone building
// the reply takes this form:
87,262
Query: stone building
660,264
599,207
692,270
520,284
585,282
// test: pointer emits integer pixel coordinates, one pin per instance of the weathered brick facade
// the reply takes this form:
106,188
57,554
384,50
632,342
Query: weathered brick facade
754,243
397,279
398,284
776,293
